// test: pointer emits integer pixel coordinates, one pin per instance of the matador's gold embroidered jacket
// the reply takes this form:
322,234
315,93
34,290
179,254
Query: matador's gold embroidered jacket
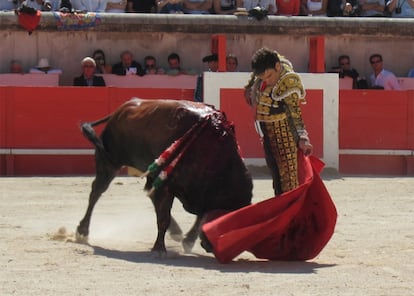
281,125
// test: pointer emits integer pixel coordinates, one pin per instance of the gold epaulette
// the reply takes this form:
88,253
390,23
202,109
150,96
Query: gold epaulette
289,84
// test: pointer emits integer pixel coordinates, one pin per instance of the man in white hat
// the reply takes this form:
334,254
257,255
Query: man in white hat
43,67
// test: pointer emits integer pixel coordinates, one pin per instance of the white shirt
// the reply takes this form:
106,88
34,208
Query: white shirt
7,5
33,4
406,9
90,5
50,71
371,12
386,79
314,5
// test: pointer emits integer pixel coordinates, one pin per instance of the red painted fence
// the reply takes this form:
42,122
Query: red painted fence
40,135
39,126
376,132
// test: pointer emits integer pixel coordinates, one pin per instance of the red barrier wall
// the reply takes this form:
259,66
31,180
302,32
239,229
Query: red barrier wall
379,126
376,128
49,118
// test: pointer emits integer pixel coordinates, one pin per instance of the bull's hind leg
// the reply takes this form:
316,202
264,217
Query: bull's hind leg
105,173
175,230
191,236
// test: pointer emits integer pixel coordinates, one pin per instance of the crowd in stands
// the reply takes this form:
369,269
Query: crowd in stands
380,78
93,66
365,8
128,66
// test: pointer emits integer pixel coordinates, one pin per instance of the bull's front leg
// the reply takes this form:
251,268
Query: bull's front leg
162,201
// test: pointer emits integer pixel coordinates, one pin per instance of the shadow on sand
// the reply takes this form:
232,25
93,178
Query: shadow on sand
208,262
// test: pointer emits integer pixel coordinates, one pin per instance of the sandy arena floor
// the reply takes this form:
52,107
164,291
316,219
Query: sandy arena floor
371,252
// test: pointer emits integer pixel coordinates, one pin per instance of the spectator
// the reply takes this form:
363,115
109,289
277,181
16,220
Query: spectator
411,73
127,66
43,67
100,60
62,5
116,6
88,77
174,65
269,5
226,6
231,63
351,8
345,70
314,7
16,67
288,7
37,4
375,8
141,6
90,5
401,8
381,78
334,8
150,66
212,62
198,6
8,5
170,6
55,5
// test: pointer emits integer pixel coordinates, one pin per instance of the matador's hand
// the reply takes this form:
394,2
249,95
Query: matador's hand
305,146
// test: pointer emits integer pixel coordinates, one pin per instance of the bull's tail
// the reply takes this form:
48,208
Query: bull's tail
89,132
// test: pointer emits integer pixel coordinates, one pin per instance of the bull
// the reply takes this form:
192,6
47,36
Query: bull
203,163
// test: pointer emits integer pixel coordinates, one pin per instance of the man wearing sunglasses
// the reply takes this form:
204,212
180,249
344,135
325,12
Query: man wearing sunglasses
381,78
150,66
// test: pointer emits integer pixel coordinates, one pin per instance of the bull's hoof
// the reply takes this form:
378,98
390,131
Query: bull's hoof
81,239
188,245
159,253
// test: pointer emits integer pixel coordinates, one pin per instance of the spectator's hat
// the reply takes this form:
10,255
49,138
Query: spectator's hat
210,58
43,63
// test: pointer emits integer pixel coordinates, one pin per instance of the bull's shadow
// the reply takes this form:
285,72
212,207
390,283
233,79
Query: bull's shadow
209,262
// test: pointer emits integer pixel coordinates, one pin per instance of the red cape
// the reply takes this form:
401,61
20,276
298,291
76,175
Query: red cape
294,226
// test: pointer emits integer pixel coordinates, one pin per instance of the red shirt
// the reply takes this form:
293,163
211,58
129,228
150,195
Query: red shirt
287,7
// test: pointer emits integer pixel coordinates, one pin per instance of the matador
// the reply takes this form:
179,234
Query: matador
277,92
